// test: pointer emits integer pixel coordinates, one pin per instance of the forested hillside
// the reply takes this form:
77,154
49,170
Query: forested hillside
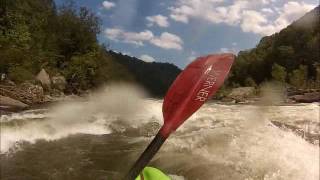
291,56
156,76
37,34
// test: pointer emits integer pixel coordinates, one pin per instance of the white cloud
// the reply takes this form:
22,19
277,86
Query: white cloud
159,20
165,40
251,16
181,14
291,11
224,50
113,33
108,4
267,1
267,10
256,22
147,58
117,34
179,18
209,10
168,41
191,58
229,50
127,53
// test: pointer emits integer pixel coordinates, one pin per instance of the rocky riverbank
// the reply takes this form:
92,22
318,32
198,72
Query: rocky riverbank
38,92
45,89
244,95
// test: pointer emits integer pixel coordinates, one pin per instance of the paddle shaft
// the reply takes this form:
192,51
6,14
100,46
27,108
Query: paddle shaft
145,157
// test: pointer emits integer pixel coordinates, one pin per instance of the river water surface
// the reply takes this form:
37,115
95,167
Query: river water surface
101,138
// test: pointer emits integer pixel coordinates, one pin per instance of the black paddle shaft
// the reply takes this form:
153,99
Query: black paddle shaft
145,157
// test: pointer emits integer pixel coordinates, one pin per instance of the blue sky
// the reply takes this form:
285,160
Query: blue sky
178,31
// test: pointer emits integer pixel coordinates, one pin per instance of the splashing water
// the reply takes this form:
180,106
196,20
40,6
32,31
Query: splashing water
114,103
218,142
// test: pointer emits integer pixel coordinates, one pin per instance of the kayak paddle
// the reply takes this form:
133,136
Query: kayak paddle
193,86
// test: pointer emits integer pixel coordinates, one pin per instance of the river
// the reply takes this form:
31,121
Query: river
102,137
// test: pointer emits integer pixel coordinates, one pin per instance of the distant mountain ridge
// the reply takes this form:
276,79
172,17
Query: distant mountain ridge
156,77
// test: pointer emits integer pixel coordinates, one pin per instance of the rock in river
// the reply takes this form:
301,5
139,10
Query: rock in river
307,97
44,78
241,93
12,103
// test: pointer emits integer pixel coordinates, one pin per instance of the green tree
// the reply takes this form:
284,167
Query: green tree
279,73
299,76
297,44
76,31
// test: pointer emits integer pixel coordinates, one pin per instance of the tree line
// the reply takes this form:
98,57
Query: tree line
291,56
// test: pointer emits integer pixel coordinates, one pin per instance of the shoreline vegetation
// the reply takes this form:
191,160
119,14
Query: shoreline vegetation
49,53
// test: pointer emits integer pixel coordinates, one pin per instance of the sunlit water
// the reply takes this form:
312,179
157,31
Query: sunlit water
81,141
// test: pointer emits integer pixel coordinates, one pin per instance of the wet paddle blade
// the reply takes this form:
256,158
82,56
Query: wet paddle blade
194,86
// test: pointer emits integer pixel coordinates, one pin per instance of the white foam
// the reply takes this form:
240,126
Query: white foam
114,103
233,140
21,116
244,140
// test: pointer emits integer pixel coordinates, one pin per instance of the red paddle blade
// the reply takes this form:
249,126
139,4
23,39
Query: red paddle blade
194,85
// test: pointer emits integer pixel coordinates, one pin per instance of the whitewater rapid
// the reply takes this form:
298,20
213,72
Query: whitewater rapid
218,142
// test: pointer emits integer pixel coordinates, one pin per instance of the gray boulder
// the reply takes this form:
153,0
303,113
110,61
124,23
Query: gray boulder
307,97
12,103
241,93
44,78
